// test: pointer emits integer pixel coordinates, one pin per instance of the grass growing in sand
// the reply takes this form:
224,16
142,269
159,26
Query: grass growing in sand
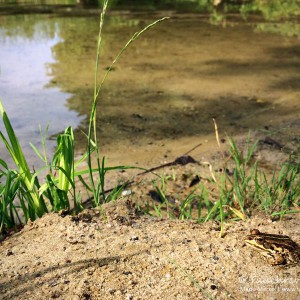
238,192
20,190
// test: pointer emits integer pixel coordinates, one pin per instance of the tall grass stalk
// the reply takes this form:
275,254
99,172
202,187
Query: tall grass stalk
98,188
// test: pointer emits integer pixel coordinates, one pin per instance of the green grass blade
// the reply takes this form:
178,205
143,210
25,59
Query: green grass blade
37,204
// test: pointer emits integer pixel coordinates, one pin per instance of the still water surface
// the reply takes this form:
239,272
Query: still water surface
162,95
25,56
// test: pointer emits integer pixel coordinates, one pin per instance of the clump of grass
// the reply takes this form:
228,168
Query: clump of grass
20,190
9,216
238,194
35,205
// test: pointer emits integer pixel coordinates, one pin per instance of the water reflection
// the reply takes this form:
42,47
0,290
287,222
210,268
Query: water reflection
177,77
167,86
25,54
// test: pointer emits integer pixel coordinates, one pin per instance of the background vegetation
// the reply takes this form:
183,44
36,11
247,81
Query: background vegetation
271,9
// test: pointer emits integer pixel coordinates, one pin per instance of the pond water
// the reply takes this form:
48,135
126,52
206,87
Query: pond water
159,100
25,56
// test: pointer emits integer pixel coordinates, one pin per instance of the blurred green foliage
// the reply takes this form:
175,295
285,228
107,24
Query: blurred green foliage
272,9
269,9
